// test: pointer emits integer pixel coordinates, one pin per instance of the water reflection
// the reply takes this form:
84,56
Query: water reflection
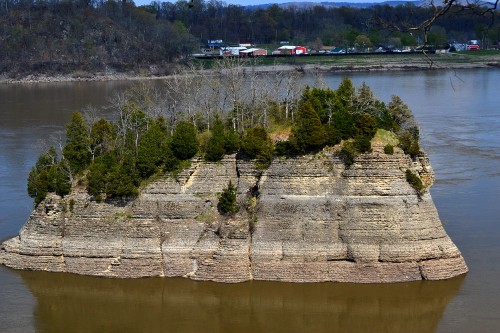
70,303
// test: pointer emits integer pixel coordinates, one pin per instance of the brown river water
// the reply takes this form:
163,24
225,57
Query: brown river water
459,115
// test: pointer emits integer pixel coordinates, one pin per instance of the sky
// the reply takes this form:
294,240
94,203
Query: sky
258,2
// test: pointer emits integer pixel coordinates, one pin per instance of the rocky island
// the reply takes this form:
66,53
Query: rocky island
312,221
308,216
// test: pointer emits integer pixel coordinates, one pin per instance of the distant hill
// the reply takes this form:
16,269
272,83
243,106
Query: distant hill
76,36
337,4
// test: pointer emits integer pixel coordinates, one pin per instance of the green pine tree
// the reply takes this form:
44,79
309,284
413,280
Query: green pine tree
308,134
227,200
122,180
216,144
76,150
48,175
184,142
151,150
345,93
257,144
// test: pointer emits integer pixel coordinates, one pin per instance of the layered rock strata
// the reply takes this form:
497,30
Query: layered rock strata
304,219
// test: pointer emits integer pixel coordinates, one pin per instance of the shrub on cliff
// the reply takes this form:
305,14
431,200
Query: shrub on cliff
410,145
414,181
351,149
348,153
227,200
344,121
333,135
365,130
365,125
362,144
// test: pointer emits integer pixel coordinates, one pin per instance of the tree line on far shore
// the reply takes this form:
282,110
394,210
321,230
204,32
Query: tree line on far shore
81,37
113,158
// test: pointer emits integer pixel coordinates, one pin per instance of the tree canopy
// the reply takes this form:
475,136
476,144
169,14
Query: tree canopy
114,158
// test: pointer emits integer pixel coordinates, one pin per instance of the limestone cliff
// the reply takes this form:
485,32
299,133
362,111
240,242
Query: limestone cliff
304,219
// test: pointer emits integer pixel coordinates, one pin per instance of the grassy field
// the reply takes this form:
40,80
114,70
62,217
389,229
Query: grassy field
383,137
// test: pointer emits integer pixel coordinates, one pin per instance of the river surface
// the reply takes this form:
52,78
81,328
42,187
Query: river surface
459,117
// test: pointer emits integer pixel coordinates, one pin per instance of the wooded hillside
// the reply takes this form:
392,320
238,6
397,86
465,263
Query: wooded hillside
67,36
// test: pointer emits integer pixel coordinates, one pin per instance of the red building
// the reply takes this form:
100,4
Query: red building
290,49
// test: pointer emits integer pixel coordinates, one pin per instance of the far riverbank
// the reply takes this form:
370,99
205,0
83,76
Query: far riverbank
305,64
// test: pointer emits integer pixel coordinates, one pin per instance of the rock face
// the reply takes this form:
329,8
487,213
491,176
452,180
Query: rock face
304,219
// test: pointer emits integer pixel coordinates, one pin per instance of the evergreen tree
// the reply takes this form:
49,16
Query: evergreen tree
227,200
365,101
122,180
257,144
98,173
216,144
132,124
48,175
231,141
151,150
345,93
308,134
333,135
365,125
76,150
384,118
316,99
362,144
343,121
326,103
184,143
348,154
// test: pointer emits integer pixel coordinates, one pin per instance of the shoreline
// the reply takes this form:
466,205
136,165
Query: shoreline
336,65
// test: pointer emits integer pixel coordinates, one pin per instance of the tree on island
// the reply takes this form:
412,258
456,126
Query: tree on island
76,150
48,175
215,149
114,158
152,149
184,141
308,134
257,144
